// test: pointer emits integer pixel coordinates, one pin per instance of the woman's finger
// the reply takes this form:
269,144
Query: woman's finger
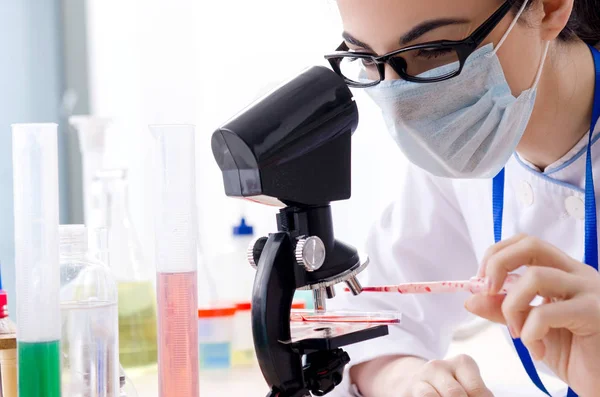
467,374
580,315
447,386
440,375
494,249
528,251
542,281
423,389
486,306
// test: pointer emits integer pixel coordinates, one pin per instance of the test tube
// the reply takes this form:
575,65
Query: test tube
35,176
176,260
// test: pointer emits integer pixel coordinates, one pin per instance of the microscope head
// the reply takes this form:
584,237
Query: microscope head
292,147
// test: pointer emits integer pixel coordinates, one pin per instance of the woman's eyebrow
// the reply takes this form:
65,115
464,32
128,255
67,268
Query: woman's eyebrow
354,41
427,26
413,34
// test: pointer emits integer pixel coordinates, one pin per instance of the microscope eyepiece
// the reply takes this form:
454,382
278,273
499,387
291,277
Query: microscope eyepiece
293,145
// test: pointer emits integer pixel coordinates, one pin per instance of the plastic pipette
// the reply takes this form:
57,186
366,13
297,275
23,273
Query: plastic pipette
475,285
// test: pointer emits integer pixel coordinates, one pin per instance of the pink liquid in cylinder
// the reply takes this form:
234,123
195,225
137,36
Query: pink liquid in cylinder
177,334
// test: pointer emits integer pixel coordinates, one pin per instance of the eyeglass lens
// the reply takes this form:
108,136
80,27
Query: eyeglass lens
423,63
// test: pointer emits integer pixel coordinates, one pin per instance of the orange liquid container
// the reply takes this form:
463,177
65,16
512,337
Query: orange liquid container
176,231
177,334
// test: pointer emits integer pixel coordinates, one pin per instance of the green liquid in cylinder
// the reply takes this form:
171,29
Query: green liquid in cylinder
39,369
137,324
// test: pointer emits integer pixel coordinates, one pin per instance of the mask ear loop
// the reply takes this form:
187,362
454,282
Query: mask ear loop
505,35
538,75
510,27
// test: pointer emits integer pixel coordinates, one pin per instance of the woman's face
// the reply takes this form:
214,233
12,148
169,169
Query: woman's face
382,26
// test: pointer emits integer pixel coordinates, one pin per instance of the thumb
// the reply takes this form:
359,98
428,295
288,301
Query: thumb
486,306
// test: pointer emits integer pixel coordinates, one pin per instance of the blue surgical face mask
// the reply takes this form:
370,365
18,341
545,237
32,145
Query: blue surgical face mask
464,127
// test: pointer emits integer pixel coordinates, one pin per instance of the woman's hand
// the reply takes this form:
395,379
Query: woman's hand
564,331
414,377
456,377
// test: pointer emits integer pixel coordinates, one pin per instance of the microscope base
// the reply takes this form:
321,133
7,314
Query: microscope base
321,344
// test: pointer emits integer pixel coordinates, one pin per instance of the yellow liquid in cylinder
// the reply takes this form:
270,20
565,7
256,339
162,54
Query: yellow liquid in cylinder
137,324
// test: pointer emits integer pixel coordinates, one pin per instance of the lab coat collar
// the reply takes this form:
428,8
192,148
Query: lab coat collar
569,157
569,169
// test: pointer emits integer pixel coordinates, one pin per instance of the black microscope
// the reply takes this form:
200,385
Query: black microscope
292,149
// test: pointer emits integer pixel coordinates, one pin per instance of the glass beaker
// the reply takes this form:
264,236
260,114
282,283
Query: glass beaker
137,299
127,387
88,303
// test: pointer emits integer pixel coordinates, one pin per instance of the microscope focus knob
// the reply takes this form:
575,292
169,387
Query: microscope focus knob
254,250
310,253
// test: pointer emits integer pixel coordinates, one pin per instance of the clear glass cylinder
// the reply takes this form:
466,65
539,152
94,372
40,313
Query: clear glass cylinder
176,260
88,300
91,133
35,176
137,301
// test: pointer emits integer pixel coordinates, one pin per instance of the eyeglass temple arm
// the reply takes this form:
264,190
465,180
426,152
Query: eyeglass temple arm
486,28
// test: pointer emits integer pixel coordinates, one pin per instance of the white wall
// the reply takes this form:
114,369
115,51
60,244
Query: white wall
200,62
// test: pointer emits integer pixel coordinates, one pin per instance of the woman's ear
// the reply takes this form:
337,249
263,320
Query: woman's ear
556,14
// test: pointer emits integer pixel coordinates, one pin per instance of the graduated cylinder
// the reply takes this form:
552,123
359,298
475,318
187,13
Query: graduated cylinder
176,260
35,175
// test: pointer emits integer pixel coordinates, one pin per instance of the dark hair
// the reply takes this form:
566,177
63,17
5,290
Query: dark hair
583,23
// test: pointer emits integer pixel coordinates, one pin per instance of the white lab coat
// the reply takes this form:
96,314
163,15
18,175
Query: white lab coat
439,229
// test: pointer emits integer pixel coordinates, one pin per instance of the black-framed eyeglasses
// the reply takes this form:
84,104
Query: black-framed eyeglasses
421,63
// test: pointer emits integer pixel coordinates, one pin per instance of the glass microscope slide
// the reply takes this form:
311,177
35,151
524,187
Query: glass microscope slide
346,317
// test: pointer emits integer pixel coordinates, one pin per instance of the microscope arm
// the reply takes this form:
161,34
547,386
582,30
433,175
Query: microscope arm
272,297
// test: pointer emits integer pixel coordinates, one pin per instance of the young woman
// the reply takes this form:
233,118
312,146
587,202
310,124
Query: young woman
495,103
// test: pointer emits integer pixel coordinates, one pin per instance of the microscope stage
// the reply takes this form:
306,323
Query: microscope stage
328,336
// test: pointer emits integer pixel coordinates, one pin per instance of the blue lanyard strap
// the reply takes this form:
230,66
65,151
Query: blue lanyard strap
498,207
591,231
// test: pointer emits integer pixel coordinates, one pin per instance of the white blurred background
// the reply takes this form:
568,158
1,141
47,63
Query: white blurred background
186,61
176,61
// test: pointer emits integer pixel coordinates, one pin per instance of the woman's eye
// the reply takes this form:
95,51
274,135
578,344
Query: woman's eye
434,53
367,62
